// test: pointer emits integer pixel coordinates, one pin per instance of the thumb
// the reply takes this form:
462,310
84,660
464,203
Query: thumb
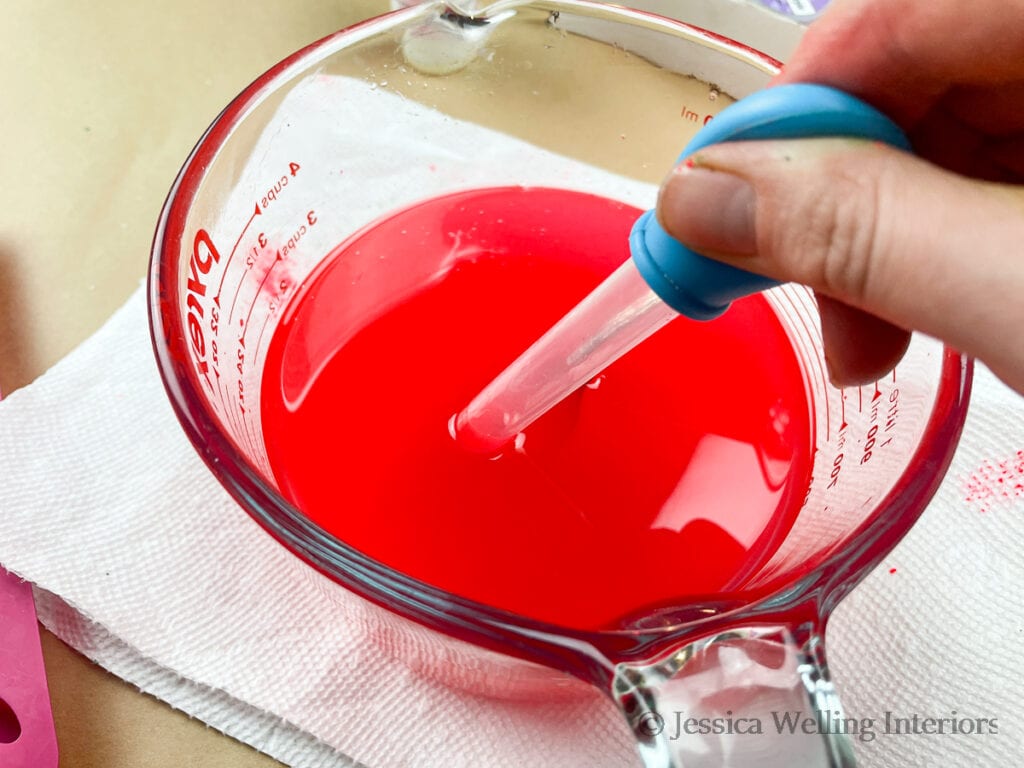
889,240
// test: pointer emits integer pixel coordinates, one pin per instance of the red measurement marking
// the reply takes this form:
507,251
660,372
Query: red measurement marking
995,482
236,424
239,427
223,402
842,412
251,435
259,291
878,392
694,117
234,302
259,339
208,380
828,416
220,286
250,441
892,570
204,256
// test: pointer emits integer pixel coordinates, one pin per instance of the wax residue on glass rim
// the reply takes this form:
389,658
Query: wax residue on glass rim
674,475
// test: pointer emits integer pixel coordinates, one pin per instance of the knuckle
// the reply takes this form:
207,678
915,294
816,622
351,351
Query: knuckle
836,246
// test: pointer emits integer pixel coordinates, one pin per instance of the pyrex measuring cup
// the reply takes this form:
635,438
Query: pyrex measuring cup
430,102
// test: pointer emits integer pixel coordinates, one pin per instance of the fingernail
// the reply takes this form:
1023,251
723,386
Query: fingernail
709,210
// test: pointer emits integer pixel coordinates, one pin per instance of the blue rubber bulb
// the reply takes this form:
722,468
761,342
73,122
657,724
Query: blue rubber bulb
699,287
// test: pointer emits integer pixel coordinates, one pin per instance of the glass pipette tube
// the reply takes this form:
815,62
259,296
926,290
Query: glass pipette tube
619,314
623,310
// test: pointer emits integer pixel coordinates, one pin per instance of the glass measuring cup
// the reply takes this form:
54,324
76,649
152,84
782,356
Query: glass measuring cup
429,102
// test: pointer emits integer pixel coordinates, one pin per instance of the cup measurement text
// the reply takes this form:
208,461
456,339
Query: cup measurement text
204,256
694,117
883,410
207,321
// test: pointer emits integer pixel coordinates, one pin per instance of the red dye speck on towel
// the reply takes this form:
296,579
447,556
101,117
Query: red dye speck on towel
993,481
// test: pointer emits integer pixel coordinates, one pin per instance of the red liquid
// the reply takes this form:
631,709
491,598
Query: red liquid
676,477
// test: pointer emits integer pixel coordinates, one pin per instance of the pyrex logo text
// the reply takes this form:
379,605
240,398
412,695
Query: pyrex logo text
204,256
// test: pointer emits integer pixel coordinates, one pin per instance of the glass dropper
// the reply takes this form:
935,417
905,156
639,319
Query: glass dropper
663,278
619,314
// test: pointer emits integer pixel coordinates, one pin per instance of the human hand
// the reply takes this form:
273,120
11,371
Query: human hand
889,242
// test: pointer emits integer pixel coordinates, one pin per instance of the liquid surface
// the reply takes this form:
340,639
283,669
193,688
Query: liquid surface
674,475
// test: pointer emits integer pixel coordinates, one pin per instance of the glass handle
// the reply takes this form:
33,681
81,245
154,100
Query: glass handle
753,696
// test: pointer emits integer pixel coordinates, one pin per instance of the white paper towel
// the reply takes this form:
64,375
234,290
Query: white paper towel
144,564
